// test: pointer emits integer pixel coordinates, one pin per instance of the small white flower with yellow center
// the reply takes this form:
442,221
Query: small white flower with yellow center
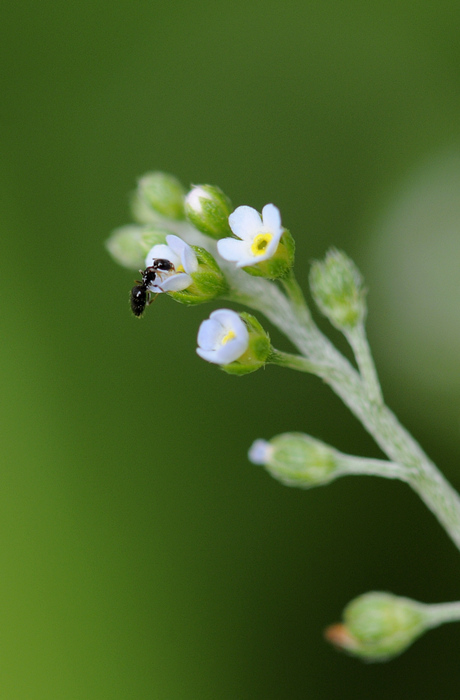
223,337
259,235
185,262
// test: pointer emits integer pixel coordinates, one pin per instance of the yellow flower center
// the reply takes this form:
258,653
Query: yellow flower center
180,268
229,336
260,243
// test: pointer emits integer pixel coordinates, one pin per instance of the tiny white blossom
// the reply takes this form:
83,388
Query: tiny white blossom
259,235
223,337
182,257
260,451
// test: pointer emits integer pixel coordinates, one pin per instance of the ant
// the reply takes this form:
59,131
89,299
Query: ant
140,294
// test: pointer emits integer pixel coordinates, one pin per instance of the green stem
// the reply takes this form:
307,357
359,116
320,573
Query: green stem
296,296
298,362
440,613
350,464
359,343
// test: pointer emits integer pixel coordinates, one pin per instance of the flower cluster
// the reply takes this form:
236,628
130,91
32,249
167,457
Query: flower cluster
246,240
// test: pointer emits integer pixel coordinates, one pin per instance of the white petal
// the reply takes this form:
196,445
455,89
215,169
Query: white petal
176,244
161,251
272,246
209,333
189,260
259,452
271,218
231,249
245,222
231,351
176,283
209,355
230,320
184,252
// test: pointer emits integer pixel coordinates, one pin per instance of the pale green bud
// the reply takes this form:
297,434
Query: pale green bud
258,349
151,235
208,281
296,459
208,209
378,626
337,288
158,196
129,245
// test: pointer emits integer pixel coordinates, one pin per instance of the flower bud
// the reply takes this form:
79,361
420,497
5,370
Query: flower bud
296,459
236,342
128,245
208,209
337,288
158,195
378,626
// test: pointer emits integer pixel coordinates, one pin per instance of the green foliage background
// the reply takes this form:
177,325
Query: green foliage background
142,556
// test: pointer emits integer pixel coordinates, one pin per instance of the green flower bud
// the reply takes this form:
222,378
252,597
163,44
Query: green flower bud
296,459
337,288
129,245
378,626
208,209
158,196
208,281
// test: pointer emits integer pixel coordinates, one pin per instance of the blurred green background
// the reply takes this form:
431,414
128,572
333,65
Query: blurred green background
141,555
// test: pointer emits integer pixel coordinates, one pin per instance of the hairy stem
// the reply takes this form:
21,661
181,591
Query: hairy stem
443,612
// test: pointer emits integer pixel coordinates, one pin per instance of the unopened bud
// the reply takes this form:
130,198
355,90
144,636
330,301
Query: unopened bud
208,209
378,626
158,196
337,288
296,459
128,245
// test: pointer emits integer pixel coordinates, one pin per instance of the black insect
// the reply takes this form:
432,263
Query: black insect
140,294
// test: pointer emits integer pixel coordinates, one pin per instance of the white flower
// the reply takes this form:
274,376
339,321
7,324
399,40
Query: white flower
259,235
182,257
223,337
